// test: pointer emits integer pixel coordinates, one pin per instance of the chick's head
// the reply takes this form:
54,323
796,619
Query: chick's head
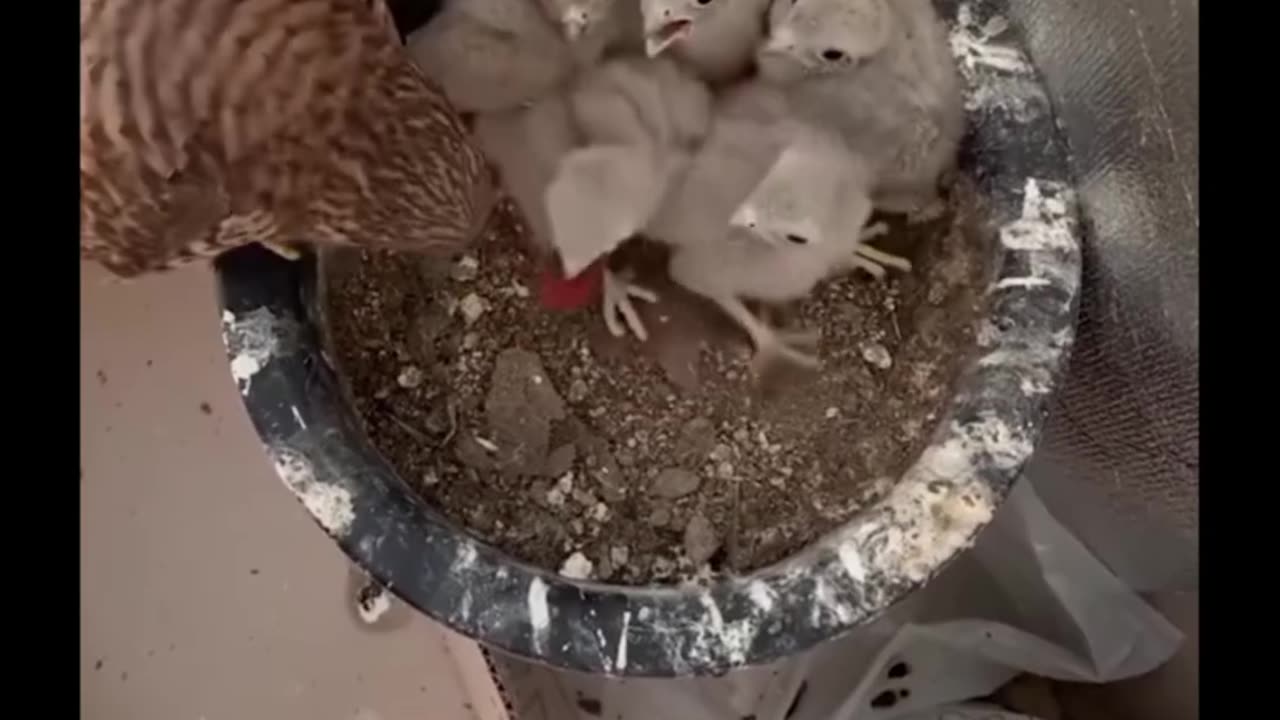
577,17
810,196
669,21
826,36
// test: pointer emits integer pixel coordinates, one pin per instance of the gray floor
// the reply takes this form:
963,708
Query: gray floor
206,592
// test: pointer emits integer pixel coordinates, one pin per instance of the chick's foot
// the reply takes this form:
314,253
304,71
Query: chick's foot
771,344
619,312
875,261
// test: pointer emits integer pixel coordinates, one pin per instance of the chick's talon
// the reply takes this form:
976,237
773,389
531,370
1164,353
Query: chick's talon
871,256
617,303
808,338
873,231
772,348
875,261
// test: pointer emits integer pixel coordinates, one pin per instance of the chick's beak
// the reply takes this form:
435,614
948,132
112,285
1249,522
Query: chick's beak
574,23
745,218
665,34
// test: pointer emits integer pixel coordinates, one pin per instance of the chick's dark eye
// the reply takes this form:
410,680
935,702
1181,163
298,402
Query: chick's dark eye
704,2
797,239
832,55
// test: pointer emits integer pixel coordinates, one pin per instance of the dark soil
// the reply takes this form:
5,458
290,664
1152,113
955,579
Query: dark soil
654,462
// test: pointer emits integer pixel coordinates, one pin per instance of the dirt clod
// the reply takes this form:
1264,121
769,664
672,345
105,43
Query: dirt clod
674,483
410,377
577,567
700,539
619,554
877,355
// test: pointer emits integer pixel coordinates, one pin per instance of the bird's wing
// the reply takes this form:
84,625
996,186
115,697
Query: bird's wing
601,196
163,76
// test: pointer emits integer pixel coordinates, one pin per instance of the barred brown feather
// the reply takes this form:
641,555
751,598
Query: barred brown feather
208,124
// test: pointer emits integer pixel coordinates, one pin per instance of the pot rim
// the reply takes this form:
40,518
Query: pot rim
976,452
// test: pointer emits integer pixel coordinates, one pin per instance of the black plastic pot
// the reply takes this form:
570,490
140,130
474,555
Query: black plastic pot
977,451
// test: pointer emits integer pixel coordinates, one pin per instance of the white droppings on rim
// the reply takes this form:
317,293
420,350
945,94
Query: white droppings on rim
975,47
539,614
253,339
602,645
1021,97
827,599
464,558
1034,386
935,511
734,638
761,595
1048,220
1047,233
330,504
620,659
1021,283
851,559
998,74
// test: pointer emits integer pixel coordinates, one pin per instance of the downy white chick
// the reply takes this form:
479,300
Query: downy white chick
882,71
639,120
799,226
740,230
716,38
497,54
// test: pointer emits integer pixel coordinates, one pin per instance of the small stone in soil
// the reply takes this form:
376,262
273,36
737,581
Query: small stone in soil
674,483
663,567
721,453
619,554
578,391
430,478
724,470
410,377
555,498
659,517
560,461
466,269
877,355
697,438
520,408
600,512
700,540
472,307
576,567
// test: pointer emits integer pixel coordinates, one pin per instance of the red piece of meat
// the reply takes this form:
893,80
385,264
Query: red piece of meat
557,292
